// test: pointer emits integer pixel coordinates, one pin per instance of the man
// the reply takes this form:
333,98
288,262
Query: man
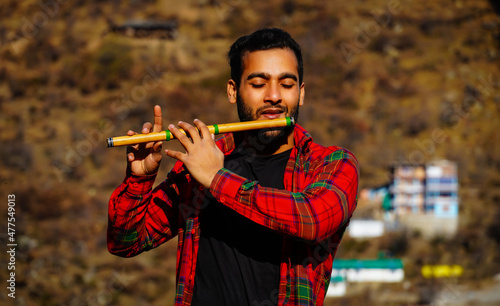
259,215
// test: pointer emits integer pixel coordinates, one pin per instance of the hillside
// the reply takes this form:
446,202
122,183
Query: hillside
392,81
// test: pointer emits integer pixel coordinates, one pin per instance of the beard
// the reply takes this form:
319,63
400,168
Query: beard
271,136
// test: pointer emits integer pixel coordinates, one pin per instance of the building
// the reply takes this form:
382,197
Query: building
385,270
381,270
430,189
420,197
408,189
365,228
425,197
441,192
337,287
165,29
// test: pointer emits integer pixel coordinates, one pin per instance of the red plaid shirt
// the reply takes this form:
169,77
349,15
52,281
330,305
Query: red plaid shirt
312,213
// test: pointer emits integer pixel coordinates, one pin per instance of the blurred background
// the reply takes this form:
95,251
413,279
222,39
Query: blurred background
412,88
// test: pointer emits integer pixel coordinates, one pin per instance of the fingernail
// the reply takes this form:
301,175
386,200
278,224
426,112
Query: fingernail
171,126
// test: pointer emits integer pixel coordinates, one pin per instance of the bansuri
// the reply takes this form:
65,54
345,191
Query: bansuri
214,129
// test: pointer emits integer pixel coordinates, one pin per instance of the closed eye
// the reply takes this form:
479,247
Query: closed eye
258,85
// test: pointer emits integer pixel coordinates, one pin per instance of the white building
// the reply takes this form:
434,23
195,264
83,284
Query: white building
365,228
337,287
369,270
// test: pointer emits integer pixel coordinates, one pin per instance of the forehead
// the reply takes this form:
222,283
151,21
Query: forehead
273,61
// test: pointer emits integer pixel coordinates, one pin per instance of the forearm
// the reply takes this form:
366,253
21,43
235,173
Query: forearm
135,221
314,213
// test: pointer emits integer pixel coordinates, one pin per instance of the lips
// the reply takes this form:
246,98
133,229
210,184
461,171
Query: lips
272,113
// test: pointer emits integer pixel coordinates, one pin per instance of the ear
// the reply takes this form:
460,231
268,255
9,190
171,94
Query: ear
231,91
302,93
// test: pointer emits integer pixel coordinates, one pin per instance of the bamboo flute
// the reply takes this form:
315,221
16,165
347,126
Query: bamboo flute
214,129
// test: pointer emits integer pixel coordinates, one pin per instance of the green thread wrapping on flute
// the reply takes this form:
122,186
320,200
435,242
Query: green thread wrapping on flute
167,135
216,129
288,122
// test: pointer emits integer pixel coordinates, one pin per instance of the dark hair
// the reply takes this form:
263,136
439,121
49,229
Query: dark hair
264,39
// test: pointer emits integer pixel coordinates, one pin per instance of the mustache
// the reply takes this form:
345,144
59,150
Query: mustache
281,108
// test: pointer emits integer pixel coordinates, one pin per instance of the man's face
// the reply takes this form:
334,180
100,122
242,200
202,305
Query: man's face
269,88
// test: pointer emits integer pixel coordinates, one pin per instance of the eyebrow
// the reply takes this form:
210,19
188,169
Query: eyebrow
267,76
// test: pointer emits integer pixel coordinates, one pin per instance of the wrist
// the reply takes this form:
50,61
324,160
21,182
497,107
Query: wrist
207,182
139,184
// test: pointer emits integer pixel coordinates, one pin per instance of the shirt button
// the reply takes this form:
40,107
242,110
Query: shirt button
192,231
135,185
222,199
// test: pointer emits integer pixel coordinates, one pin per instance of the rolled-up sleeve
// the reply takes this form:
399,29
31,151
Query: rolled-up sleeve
323,206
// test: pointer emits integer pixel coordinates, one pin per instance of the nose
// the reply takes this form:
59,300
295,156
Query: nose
273,94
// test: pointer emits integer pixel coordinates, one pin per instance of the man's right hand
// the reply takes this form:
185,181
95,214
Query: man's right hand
145,158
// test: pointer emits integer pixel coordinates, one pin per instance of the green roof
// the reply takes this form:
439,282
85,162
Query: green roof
337,279
380,263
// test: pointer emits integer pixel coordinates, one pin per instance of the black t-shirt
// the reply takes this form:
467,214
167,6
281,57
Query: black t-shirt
238,260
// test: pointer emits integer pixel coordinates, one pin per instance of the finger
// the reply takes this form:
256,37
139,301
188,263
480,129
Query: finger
131,148
134,147
190,130
131,156
203,129
175,154
157,146
181,136
158,120
146,128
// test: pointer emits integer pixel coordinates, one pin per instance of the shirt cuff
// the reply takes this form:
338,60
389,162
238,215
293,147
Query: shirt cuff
140,185
226,185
